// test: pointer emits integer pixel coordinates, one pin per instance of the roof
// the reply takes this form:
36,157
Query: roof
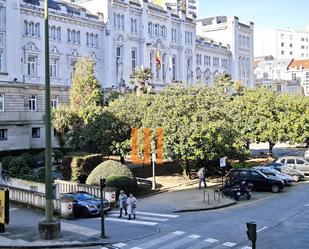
272,63
300,64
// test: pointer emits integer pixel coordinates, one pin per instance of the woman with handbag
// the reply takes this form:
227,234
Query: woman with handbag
131,202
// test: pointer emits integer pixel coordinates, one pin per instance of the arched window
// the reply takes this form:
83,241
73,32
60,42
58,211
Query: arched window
207,76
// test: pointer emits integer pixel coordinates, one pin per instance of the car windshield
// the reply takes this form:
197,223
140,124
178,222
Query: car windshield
84,196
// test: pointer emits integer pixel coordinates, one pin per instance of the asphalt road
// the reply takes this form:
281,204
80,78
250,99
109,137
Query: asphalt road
282,222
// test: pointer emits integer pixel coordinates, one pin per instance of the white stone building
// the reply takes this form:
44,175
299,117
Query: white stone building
118,35
274,74
282,43
239,37
74,33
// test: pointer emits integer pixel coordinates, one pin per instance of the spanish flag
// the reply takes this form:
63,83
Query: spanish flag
158,59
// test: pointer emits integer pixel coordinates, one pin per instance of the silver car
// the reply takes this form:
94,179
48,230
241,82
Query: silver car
272,172
297,175
300,163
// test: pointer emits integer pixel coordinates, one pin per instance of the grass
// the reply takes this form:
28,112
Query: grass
144,190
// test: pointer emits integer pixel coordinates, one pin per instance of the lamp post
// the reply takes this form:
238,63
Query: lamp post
48,229
153,160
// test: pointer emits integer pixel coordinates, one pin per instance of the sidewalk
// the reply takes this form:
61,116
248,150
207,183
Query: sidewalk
22,230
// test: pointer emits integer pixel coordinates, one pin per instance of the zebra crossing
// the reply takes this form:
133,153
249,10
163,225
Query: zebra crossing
142,218
181,240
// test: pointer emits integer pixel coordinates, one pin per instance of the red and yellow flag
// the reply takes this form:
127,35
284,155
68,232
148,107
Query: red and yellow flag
158,59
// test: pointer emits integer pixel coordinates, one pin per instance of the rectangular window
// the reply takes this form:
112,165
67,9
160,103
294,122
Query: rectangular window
133,58
164,66
293,76
54,102
32,65
1,102
307,75
53,68
151,60
33,103
35,132
3,134
118,59
174,68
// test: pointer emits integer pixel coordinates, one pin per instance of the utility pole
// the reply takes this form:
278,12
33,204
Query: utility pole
48,229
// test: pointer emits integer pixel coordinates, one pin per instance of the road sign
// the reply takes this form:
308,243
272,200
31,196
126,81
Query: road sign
222,162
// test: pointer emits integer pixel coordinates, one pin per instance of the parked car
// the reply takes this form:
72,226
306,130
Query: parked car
259,180
85,204
306,153
300,163
297,175
273,172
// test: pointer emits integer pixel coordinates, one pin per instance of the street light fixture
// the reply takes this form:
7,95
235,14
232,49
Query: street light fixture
49,229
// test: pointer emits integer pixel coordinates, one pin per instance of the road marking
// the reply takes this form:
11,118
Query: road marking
307,205
260,230
79,229
104,248
211,240
12,209
147,223
178,243
136,248
153,214
155,242
143,218
229,244
246,247
194,236
120,245
4,239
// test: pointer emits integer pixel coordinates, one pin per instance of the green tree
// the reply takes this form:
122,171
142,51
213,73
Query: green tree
85,93
140,77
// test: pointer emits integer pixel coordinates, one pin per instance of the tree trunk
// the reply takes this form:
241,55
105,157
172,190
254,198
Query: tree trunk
121,159
271,146
247,144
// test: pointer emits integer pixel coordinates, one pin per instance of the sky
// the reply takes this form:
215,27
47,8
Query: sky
265,14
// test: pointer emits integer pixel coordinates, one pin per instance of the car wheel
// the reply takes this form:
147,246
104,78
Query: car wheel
274,188
84,212
295,178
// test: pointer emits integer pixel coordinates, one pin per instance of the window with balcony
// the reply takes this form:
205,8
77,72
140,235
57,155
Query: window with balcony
174,68
54,102
133,58
54,68
32,62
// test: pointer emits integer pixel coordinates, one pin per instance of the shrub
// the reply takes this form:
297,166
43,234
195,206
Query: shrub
107,169
126,183
239,164
82,166
6,162
65,168
28,159
58,155
41,175
16,166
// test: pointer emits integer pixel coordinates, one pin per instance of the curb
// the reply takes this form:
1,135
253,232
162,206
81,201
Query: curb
204,209
78,245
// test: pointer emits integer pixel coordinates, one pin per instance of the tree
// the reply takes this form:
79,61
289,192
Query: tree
85,93
140,77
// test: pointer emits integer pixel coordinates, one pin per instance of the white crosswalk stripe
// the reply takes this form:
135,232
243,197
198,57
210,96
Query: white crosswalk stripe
246,247
180,239
79,229
142,218
119,245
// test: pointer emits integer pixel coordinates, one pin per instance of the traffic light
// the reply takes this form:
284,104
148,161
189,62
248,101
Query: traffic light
103,183
251,232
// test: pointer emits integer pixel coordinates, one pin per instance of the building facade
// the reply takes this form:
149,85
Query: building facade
118,35
282,44
239,37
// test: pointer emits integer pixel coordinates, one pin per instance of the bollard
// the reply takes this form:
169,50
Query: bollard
208,198
214,195
204,196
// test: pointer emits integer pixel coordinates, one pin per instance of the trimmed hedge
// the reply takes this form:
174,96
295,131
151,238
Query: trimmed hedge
81,167
6,162
16,166
107,169
29,159
128,184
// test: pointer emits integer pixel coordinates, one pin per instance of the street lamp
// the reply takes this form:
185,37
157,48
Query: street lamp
49,229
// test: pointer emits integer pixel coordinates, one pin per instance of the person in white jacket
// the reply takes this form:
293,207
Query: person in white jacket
131,202
122,202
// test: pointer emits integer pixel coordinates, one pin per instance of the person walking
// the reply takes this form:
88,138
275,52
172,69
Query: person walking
131,202
122,202
201,177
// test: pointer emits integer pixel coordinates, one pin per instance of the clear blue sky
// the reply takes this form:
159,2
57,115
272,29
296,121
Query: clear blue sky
264,13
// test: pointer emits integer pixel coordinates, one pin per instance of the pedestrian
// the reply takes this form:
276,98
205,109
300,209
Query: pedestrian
201,177
131,202
122,202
